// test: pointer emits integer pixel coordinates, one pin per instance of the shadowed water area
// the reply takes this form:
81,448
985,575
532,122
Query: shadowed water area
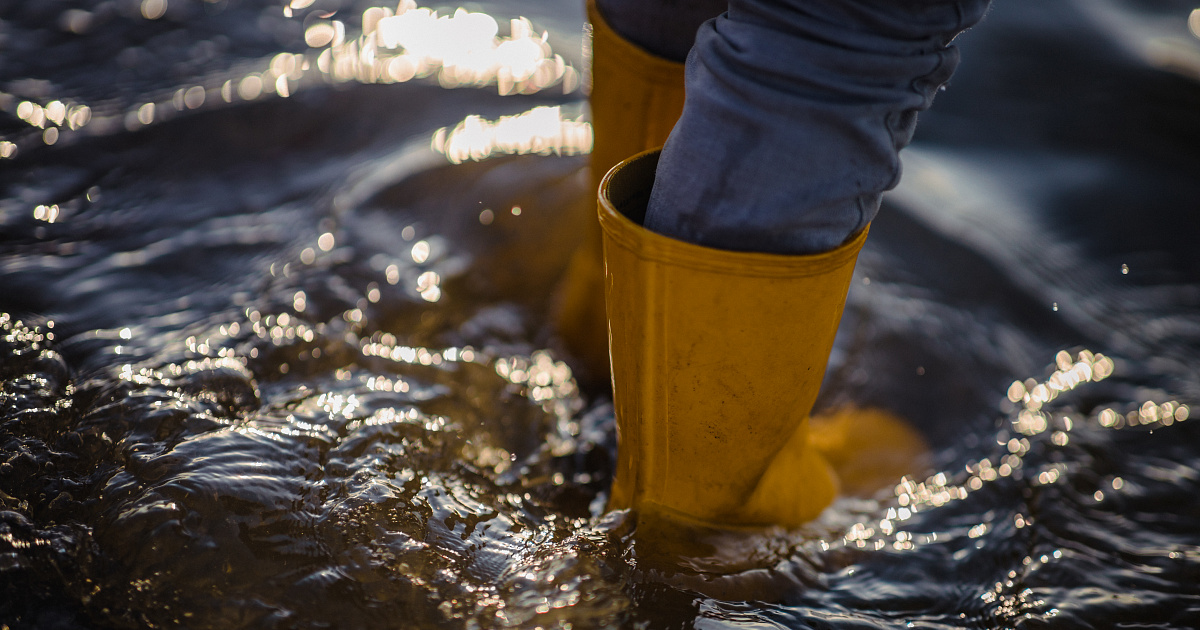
276,352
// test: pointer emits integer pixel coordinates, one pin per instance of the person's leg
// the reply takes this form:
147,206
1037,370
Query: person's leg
795,115
666,28
722,313
638,47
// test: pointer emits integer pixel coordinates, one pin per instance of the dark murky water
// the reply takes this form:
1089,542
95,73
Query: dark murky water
270,360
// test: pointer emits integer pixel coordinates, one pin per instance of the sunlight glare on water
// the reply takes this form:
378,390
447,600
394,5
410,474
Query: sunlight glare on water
541,131
463,49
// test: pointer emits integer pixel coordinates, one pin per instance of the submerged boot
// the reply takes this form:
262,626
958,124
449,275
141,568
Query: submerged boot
717,357
635,101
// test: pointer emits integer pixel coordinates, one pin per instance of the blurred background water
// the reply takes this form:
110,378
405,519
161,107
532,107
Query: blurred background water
276,350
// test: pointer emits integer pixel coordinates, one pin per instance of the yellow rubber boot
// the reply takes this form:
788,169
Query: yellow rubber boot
635,100
869,449
636,97
717,357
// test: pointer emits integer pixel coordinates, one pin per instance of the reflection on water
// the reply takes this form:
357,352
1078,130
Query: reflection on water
1163,36
390,45
285,362
541,130
460,50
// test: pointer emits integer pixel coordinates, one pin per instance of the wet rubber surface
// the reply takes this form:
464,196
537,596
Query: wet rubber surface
274,362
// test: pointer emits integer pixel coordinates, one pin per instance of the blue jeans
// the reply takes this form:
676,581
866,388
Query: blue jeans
795,115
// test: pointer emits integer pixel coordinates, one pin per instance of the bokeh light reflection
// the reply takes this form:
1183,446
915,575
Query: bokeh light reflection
464,49
1032,419
394,45
541,131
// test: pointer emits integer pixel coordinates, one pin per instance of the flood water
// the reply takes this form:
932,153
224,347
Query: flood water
277,349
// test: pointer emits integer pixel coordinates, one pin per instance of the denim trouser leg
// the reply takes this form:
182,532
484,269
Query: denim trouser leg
666,28
795,115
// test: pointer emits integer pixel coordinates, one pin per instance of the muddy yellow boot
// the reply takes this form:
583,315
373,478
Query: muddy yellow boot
717,360
636,99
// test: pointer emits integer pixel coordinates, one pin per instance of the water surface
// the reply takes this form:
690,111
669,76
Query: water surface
276,351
